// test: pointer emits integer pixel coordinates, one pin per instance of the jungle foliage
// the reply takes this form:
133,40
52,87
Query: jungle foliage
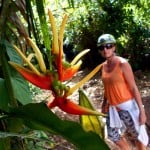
128,21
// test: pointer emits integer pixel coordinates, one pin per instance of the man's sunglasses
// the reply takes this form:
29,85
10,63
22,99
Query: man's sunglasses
107,46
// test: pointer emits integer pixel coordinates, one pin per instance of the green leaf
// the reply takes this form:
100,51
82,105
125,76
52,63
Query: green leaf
89,122
5,144
11,52
71,3
18,88
45,120
35,135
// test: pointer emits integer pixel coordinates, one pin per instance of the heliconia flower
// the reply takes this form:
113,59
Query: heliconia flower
55,45
66,73
64,70
38,55
42,81
70,107
77,57
26,60
85,79
69,72
57,49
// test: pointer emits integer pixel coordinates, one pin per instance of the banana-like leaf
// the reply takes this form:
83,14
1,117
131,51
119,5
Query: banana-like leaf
39,117
88,122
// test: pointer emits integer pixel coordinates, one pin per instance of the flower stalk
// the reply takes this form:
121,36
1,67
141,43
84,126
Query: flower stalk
61,72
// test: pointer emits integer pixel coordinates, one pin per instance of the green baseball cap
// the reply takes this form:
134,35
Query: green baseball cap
105,39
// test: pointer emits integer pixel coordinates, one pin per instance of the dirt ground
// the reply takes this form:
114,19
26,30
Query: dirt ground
94,90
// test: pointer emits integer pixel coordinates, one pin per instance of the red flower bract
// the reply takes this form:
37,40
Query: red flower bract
70,107
42,81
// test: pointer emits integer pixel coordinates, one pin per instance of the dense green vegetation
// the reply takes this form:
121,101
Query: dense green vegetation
128,21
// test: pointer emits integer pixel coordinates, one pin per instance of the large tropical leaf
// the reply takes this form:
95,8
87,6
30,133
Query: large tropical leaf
17,87
38,116
88,122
